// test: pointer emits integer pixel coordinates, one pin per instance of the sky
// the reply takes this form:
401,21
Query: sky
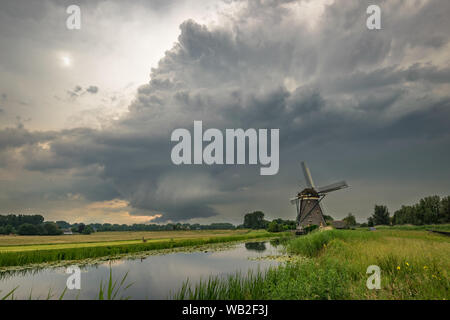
86,115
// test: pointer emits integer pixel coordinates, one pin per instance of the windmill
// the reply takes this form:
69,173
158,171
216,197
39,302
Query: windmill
308,201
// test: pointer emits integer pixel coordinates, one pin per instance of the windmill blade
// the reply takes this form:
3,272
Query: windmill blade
332,187
293,200
321,207
307,174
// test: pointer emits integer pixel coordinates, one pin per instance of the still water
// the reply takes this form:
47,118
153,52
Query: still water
153,277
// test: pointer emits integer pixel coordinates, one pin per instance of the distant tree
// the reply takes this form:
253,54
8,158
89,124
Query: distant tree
370,222
350,219
63,224
52,228
81,227
255,220
380,215
87,230
27,229
428,208
9,229
274,227
406,214
444,211
328,219
284,225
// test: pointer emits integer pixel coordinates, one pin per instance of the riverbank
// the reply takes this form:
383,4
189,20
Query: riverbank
27,254
332,264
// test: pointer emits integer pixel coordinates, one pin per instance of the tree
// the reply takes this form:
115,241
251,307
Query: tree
52,228
274,227
381,215
328,219
27,229
429,209
350,219
9,229
255,220
87,230
63,224
81,227
406,214
444,211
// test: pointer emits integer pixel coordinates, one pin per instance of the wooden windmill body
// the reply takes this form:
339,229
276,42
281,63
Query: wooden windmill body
308,201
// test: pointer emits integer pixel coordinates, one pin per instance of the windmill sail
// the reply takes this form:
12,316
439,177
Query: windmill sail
307,174
332,187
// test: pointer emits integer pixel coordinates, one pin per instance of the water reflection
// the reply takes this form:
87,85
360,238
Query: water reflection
255,246
153,277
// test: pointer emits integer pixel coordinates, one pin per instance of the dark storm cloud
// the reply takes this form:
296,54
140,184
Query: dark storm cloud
336,92
19,136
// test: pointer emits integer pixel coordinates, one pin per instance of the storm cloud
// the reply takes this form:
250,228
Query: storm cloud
368,106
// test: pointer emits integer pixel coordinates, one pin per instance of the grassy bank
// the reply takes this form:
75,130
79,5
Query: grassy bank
33,254
332,265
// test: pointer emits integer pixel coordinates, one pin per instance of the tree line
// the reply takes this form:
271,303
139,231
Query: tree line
98,227
429,210
27,225
35,225
255,220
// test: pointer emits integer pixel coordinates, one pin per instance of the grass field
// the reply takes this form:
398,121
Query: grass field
15,240
24,250
332,264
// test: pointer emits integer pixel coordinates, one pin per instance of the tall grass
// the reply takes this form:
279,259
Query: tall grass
414,265
438,227
40,256
312,244
292,281
113,287
235,287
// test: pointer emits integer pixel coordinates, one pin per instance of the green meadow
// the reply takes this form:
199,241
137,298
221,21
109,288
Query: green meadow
332,264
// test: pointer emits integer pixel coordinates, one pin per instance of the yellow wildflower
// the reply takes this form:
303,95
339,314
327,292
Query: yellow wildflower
425,267
398,267
407,264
